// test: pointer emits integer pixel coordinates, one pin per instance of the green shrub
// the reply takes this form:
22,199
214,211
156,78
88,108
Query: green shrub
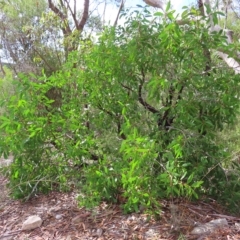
140,105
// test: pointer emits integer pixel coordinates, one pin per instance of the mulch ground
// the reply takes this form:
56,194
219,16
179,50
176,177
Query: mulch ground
64,220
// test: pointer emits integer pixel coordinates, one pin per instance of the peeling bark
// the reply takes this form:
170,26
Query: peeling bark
231,62
154,3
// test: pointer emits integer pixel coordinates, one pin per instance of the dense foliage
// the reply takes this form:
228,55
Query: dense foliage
131,118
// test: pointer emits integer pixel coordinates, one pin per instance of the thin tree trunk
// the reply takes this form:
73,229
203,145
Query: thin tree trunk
119,10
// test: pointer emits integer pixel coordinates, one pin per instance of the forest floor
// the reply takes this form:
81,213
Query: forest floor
64,220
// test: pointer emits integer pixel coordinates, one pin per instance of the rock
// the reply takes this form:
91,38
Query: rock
58,216
237,226
99,232
209,227
32,222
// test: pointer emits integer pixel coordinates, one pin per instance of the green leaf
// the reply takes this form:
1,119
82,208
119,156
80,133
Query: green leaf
197,184
168,6
190,178
158,14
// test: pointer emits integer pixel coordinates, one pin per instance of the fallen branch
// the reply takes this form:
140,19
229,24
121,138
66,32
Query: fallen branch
224,216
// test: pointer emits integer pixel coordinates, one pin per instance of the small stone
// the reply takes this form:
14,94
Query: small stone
32,222
237,226
58,216
99,232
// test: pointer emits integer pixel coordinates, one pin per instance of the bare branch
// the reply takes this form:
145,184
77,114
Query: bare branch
126,87
140,98
117,116
119,10
84,18
1,67
67,30
45,61
104,11
75,8
73,13
56,10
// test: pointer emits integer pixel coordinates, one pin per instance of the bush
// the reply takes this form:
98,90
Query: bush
135,121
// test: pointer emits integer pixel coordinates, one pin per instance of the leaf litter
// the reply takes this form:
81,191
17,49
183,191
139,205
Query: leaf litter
64,220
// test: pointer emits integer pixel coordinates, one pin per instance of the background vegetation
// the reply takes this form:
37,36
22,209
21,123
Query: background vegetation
140,113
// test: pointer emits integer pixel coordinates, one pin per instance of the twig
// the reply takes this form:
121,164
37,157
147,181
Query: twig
211,207
224,216
191,210
119,10
10,234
